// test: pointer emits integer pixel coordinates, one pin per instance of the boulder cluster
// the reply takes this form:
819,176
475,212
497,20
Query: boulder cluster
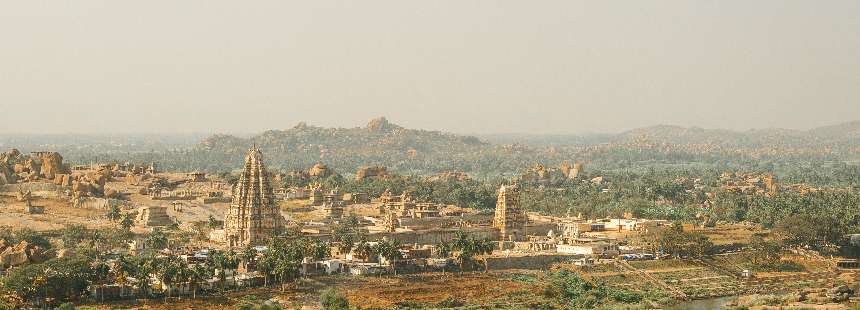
15,166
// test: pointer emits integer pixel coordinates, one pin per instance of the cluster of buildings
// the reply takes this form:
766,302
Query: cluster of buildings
254,217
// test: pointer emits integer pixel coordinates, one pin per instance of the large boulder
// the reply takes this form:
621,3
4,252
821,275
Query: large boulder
10,157
840,293
52,164
22,253
6,174
33,166
63,180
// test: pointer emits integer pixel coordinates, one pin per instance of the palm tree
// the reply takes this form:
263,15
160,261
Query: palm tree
197,274
144,265
167,269
124,267
157,240
183,273
390,250
217,261
265,265
248,254
232,262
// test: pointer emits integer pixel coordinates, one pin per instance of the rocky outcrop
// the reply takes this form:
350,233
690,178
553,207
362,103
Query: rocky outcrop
15,166
368,172
537,173
381,124
89,185
6,174
20,254
320,171
51,164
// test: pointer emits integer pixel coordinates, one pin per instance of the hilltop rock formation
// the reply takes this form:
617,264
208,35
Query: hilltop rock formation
381,124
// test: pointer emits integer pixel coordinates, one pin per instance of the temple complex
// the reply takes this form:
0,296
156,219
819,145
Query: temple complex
253,216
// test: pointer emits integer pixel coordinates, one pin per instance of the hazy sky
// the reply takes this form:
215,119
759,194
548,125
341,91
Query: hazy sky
462,66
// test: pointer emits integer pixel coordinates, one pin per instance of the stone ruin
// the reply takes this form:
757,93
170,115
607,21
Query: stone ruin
333,210
368,172
27,198
152,217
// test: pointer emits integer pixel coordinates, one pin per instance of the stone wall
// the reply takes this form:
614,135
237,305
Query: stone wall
103,203
431,236
38,189
533,262
434,236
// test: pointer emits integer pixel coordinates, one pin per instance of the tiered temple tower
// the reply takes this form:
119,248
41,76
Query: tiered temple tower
253,216
510,220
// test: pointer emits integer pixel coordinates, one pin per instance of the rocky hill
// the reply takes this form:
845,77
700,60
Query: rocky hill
379,142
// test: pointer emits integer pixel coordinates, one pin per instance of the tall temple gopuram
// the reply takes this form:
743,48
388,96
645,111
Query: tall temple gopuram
253,216
510,220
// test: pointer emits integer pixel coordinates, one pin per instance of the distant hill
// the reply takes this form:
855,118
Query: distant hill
379,142
421,152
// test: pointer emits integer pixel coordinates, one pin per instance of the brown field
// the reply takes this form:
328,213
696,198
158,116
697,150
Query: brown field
431,288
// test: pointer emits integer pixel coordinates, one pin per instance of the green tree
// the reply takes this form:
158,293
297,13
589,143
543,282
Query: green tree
390,250
198,274
127,221
114,214
58,279
74,234
157,240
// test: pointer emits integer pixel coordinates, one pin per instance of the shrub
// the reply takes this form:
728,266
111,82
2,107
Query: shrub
330,300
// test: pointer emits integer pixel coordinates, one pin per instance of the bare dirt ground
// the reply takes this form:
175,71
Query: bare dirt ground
58,213
732,233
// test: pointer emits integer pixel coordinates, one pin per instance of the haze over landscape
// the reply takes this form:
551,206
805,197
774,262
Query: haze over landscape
437,154
562,67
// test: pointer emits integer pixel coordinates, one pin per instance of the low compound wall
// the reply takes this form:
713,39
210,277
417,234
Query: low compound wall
38,189
533,262
103,203
434,236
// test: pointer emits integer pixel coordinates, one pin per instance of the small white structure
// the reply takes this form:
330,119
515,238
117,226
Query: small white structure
366,269
217,235
331,266
437,262
596,248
